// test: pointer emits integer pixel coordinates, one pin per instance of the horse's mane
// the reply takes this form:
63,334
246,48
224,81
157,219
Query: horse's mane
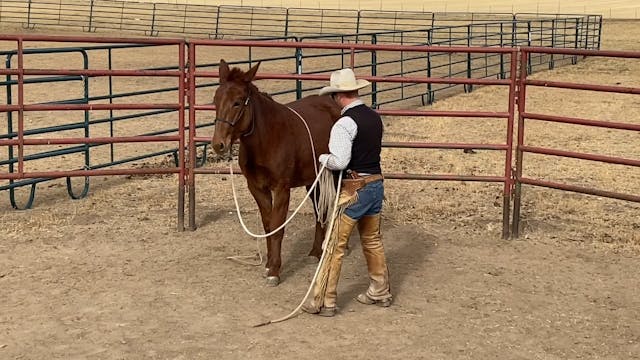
237,75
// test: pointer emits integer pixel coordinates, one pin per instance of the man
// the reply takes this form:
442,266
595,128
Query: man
354,146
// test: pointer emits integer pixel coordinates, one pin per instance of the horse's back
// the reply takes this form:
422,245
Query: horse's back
317,108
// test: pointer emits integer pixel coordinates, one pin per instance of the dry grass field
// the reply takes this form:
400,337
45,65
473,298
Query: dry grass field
627,9
108,277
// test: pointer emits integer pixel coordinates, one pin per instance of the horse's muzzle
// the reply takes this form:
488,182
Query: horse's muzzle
218,147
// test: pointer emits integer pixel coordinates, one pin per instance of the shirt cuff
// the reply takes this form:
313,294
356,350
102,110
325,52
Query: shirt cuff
323,159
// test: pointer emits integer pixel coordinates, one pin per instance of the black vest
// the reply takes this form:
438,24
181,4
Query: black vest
365,152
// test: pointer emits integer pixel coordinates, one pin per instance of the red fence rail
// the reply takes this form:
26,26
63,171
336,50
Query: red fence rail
506,147
21,108
523,115
187,107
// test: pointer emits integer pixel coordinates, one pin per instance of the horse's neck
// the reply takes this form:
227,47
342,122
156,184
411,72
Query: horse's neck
269,127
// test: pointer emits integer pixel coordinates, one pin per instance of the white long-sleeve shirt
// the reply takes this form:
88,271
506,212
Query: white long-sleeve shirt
343,133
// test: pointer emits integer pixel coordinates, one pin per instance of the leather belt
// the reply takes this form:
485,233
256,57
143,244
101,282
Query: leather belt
372,178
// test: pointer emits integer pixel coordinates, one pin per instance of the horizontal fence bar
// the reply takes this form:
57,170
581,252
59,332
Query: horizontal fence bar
445,177
395,176
77,173
418,145
93,140
568,85
582,156
399,112
324,45
92,39
379,79
88,72
581,52
65,107
580,189
442,113
578,121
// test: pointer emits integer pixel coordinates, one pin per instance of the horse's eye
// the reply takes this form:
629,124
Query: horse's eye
236,104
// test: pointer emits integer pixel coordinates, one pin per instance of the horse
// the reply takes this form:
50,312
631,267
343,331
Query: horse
276,151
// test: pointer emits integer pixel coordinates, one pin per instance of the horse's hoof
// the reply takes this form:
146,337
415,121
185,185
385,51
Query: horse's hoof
266,273
312,259
273,280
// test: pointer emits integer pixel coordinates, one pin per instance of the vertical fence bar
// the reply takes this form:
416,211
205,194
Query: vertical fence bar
508,163
374,72
299,72
358,25
468,87
28,16
576,43
599,32
21,106
182,83
553,43
90,16
153,32
109,63
286,23
515,228
192,135
429,85
217,28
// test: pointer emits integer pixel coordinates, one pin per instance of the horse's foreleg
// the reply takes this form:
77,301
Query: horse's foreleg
278,217
264,200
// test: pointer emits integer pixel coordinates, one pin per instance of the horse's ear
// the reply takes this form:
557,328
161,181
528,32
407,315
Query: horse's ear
251,74
223,71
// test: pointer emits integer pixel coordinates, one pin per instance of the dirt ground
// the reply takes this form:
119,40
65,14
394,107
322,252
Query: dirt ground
109,277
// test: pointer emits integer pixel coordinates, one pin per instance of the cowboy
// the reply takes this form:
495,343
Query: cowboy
354,146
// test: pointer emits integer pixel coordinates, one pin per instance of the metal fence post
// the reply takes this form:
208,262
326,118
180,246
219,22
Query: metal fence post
553,43
502,74
430,94
358,25
286,23
299,72
217,23
576,43
153,31
374,72
89,28
468,87
28,24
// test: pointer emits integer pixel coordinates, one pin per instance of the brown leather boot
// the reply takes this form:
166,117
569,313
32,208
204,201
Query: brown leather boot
379,291
325,293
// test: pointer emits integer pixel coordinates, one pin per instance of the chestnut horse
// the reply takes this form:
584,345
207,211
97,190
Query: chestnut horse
276,153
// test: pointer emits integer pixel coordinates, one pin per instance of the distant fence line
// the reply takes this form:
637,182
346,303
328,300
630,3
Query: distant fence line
232,22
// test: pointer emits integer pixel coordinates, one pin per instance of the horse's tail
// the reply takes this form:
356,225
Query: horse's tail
326,197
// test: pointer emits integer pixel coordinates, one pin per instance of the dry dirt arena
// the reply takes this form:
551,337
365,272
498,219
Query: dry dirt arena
109,277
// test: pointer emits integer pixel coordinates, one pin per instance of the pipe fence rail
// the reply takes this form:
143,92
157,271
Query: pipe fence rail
192,75
233,22
525,117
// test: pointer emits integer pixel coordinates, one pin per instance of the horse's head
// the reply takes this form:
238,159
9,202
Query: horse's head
232,100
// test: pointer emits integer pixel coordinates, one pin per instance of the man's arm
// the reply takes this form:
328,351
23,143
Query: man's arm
340,142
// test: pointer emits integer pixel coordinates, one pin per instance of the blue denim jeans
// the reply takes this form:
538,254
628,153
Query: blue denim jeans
369,201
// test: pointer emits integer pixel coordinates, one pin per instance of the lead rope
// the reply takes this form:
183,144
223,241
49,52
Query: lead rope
325,250
326,193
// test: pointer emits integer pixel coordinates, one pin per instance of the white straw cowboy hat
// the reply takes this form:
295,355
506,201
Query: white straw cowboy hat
342,81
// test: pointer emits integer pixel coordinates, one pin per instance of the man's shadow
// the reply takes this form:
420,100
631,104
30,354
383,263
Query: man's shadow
407,247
